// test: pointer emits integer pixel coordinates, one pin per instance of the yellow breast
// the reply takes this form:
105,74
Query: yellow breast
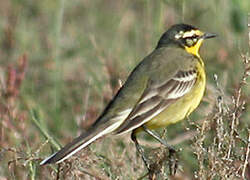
185,105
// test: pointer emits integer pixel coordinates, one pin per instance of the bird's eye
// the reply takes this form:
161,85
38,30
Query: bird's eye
190,42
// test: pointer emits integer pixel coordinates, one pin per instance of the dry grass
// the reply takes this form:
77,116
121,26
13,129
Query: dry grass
61,62
222,142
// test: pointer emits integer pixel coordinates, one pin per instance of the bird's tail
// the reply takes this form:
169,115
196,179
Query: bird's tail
79,143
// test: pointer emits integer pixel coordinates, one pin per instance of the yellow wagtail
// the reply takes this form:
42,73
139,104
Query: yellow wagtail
164,88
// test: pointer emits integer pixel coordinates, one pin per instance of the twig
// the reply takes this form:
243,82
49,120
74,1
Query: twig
247,156
36,120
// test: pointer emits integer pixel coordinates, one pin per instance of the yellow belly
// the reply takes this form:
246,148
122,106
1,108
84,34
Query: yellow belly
182,107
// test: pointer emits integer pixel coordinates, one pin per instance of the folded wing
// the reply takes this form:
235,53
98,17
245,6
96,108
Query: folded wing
157,97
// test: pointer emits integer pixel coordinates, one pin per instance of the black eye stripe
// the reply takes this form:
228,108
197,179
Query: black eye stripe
184,41
190,44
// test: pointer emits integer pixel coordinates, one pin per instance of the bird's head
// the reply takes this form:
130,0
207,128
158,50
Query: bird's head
185,36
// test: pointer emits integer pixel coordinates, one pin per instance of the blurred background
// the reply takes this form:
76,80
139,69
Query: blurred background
62,61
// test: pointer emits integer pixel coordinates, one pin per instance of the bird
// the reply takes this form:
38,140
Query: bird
163,89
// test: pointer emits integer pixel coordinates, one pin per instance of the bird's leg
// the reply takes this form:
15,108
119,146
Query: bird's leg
158,138
173,161
140,149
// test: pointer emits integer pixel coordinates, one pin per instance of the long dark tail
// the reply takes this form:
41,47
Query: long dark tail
79,143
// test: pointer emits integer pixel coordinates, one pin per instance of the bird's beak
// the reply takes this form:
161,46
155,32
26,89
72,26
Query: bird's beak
208,35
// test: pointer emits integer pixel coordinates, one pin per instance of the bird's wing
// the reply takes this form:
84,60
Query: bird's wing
156,98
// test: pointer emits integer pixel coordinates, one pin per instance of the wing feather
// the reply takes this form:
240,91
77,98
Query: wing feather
155,100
